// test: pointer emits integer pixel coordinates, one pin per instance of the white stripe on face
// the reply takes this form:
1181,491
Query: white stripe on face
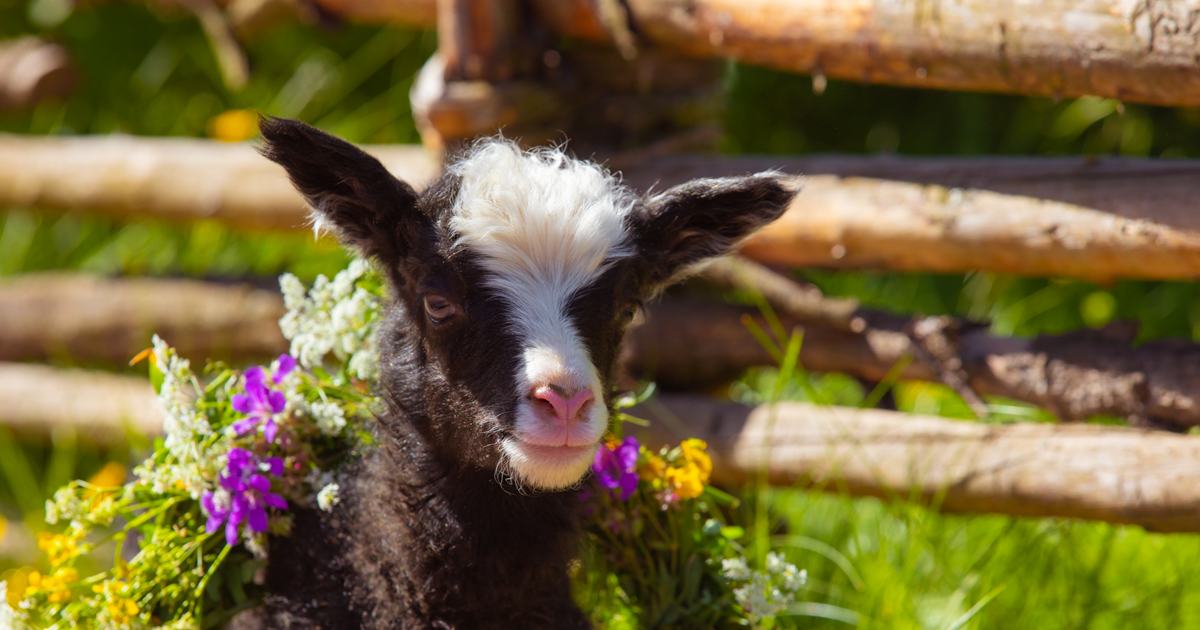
545,226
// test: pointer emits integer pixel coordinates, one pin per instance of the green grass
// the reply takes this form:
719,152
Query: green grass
900,565
924,570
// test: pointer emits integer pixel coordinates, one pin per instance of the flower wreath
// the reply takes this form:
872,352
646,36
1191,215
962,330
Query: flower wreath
187,536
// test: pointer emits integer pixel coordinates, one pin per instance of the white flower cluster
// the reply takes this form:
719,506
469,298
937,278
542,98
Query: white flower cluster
767,593
8,618
335,317
65,506
329,497
330,417
186,429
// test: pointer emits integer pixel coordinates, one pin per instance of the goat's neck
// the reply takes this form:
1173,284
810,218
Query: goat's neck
462,546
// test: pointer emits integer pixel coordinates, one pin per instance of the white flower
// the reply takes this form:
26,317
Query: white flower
333,317
294,293
256,543
328,497
735,569
8,619
764,593
330,417
64,506
793,579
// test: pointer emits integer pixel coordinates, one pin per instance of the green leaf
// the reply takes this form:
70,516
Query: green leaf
733,532
156,376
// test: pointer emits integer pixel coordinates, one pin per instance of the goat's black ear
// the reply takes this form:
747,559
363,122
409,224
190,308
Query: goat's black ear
348,190
685,225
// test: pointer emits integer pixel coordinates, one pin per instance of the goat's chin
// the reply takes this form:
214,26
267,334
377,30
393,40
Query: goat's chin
548,467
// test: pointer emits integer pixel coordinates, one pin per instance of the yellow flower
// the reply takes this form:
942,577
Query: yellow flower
59,547
16,580
687,481
693,451
122,611
110,476
652,468
234,125
55,585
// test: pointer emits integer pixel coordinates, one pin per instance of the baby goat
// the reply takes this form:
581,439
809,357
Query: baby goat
512,280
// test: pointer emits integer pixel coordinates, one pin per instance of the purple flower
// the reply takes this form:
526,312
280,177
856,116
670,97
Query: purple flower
616,467
261,403
244,495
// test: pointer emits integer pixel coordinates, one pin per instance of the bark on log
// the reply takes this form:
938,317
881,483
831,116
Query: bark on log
97,320
1111,474
1133,51
1094,219
174,179
692,345
31,70
682,344
103,406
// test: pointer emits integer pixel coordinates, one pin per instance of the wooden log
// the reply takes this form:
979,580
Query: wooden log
681,344
1133,51
1111,474
410,13
32,70
88,319
1099,219
173,179
689,344
1075,217
102,406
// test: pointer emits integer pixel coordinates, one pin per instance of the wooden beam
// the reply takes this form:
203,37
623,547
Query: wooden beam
1096,219
1110,474
682,344
102,406
1133,51
168,178
89,319
692,344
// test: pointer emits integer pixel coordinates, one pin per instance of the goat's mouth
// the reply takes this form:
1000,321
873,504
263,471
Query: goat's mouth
548,467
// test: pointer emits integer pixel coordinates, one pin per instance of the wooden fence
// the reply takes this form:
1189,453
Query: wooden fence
1095,219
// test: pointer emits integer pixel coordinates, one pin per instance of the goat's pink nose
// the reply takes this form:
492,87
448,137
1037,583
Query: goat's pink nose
564,409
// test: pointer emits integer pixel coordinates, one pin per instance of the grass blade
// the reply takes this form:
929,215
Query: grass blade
962,621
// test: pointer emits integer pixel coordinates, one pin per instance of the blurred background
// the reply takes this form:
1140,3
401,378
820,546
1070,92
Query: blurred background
151,69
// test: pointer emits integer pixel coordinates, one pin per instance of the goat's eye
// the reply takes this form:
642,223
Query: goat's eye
438,308
629,311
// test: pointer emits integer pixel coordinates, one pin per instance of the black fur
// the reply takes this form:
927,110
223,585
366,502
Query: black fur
428,534
704,218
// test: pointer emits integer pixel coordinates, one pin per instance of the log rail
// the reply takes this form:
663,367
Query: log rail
1108,474
1095,219
1133,51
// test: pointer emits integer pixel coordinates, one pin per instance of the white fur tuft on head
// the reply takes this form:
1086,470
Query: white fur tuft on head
545,226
